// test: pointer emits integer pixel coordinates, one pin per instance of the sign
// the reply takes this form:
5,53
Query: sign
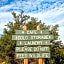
32,49
43,42
32,32
32,55
32,43
31,37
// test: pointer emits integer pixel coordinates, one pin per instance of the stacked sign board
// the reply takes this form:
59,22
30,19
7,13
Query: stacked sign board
32,43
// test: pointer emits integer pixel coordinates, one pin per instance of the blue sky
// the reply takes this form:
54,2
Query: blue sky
49,11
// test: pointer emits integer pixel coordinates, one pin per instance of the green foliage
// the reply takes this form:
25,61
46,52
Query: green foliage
32,24
54,31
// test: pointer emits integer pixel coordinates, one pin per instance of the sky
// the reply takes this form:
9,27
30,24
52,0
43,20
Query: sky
50,12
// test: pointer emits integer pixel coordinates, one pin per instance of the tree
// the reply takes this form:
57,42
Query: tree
7,46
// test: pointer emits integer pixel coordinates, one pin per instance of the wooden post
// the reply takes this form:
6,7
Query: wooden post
40,60
25,60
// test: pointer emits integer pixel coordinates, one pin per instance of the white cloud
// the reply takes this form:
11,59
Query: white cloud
63,42
4,0
31,5
6,7
51,16
5,17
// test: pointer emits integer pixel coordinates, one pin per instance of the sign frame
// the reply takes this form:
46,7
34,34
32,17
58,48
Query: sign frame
32,37
32,55
27,32
32,49
31,43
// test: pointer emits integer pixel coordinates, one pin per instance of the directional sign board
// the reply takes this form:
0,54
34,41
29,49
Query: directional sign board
32,55
32,43
42,42
31,37
32,49
32,32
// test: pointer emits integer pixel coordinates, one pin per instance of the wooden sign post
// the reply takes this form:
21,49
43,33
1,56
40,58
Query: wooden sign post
25,60
40,60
